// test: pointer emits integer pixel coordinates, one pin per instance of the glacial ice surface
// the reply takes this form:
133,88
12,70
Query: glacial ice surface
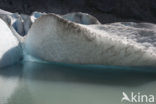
10,51
60,40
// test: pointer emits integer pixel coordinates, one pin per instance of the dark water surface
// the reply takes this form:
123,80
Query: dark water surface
34,83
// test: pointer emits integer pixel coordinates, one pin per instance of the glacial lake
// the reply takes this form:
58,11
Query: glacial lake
36,83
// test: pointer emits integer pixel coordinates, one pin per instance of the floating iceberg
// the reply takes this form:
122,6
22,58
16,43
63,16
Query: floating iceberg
55,39
75,38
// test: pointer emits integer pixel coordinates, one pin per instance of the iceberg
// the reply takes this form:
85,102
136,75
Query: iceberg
75,38
55,39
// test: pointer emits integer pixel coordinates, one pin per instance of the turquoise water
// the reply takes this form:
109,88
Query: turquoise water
34,83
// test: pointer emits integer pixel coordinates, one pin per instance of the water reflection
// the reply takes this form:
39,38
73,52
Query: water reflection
87,75
34,83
